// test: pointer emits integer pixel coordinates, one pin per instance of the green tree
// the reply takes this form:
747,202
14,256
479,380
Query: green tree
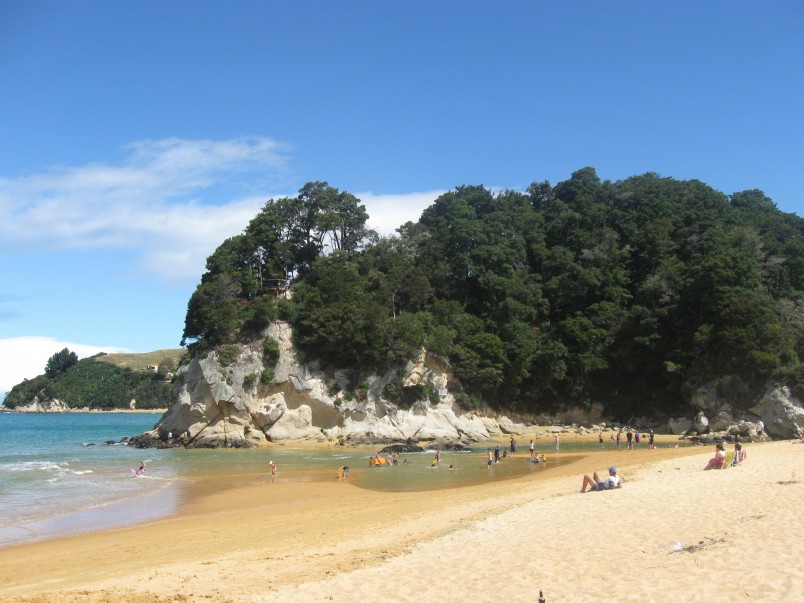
60,362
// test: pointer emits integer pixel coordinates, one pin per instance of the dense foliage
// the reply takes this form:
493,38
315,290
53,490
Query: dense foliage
625,293
89,383
60,362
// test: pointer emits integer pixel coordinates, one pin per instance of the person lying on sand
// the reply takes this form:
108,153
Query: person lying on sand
596,484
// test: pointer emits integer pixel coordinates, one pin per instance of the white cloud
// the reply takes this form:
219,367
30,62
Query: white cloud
26,357
151,203
389,212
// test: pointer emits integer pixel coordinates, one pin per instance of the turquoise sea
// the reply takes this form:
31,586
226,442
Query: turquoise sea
68,473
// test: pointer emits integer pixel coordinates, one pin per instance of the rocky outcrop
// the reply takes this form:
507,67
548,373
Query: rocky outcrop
781,412
717,419
230,406
233,402
700,423
220,404
679,426
53,405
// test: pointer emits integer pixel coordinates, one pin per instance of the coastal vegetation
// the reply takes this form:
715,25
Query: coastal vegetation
629,294
102,382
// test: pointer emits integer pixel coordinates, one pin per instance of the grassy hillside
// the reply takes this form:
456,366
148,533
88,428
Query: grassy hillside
138,362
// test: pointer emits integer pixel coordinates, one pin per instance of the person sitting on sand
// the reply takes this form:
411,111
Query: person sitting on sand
739,454
716,462
596,484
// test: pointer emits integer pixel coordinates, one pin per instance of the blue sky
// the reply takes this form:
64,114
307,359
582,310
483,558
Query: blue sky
136,136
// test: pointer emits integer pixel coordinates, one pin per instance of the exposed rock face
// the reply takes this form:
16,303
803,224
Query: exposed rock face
679,426
53,405
700,423
228,405
781,412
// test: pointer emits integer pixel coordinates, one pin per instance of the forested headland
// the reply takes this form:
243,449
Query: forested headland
629,294
101,382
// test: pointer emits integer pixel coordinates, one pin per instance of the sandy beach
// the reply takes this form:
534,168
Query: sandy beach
673,532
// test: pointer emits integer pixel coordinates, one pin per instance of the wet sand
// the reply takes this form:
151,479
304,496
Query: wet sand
672,532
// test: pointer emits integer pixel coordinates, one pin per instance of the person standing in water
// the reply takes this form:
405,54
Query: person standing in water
272,465
558,445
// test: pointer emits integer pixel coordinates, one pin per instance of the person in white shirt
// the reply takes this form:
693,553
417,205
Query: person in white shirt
595,484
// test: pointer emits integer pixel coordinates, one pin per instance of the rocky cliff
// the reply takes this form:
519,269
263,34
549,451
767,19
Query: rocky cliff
229,403
229,406
717,417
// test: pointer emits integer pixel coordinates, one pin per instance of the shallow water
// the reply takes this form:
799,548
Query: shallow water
55,465
59,474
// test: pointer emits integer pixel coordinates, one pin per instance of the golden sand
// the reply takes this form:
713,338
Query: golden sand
673,532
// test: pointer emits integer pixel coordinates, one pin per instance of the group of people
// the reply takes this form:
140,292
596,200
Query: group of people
717,461
632,438
591,482
504,452
391,459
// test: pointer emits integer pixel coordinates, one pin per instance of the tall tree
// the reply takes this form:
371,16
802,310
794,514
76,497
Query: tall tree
60,362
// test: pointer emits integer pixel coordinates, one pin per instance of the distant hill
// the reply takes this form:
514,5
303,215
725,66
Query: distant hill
137,362
105,381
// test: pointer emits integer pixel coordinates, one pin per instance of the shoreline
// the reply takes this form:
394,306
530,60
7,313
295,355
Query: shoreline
85,411
284,540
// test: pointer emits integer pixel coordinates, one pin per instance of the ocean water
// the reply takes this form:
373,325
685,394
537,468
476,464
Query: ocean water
56,467
68,473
